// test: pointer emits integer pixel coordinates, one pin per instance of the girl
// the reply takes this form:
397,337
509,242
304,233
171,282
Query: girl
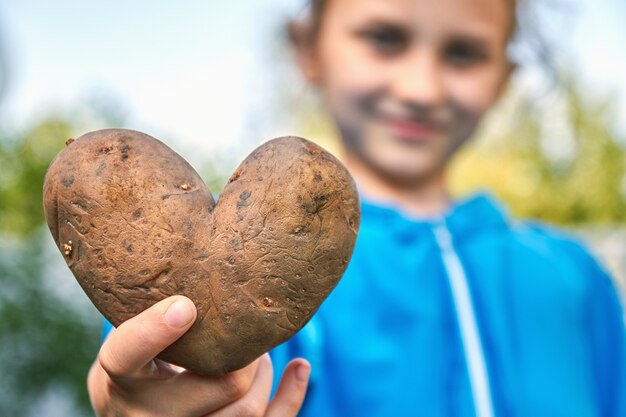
447,308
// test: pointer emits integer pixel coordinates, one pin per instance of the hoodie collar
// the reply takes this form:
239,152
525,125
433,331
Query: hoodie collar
466,216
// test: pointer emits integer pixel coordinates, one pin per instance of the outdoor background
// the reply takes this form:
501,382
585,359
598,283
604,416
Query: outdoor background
213,80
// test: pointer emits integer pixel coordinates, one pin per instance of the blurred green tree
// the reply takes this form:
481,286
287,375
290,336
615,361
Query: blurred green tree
573,175
24,161
47,342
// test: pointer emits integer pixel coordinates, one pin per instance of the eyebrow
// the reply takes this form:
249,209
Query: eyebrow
379,21
467,38
475,34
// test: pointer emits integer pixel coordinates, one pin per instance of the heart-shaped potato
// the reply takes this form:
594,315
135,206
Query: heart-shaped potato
137,224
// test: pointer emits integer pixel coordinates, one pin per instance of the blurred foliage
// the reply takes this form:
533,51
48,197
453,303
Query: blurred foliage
573,175
47,343
24,161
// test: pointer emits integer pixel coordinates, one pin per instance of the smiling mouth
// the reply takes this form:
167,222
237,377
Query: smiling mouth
413,131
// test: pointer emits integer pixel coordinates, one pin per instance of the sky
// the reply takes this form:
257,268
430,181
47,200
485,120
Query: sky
180,70
193,73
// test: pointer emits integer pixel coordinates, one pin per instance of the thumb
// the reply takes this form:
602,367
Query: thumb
137,341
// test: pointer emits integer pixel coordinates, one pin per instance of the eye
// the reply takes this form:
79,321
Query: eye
463,53
385,39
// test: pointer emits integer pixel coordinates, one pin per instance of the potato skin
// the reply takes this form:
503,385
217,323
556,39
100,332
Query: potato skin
137,224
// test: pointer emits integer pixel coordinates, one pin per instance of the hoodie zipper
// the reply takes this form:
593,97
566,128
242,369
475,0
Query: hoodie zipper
474,355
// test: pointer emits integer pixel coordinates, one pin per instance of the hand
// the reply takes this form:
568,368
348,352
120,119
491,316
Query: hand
127,380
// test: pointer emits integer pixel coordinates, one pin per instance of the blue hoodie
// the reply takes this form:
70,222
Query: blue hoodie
467,315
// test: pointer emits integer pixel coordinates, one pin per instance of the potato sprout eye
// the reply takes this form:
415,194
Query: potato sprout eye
67,248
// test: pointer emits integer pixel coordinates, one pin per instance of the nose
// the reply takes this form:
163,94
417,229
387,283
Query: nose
419,79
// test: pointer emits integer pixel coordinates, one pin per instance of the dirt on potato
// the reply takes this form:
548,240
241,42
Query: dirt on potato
137,224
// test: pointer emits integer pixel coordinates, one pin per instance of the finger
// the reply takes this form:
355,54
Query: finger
97,395
254,402
184,394
138,340
205,394
291,390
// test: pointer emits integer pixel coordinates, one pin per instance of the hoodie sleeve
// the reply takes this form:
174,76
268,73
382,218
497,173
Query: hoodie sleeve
605,327
106,329
607,335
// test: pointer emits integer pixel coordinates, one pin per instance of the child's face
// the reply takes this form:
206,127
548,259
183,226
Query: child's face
408,80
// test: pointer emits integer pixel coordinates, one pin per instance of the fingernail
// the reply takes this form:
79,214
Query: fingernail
303,371
179,314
